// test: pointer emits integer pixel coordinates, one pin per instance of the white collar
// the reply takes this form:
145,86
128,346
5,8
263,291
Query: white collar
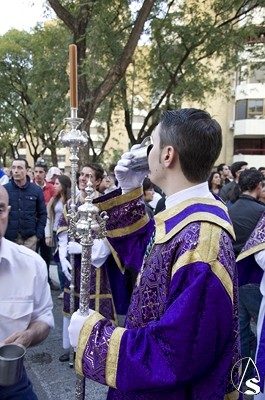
201,190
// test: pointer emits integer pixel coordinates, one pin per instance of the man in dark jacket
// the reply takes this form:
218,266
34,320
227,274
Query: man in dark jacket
28,215
228,191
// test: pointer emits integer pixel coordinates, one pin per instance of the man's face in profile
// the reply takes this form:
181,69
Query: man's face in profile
4,211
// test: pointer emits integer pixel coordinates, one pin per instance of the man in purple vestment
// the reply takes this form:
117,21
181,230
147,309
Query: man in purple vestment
100,291
180,339
253,254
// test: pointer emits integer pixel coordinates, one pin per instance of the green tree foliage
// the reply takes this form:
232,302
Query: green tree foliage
190,50
33,88
194,49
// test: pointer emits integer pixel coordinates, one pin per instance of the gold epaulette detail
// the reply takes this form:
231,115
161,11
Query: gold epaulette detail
83,338
113,356
119,200
62,229
251,251
207,251
161,218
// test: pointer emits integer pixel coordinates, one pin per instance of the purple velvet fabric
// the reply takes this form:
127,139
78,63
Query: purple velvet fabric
181,340
256,239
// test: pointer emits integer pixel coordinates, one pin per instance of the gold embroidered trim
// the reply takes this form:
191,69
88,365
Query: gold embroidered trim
98,274
129,229
162,237
164,216
61,229
232,395
209,233
113,356
83,338
93,296
251,251
169,213
119,200
116,258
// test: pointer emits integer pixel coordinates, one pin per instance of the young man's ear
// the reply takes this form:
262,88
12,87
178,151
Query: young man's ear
97,183
169,156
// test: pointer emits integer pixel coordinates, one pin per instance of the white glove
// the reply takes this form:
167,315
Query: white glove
66,266
74,248
76,323
128,179
100,252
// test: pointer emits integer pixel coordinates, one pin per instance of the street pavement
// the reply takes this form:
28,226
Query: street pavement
52,379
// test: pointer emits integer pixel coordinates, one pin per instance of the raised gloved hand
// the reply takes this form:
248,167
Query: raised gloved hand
76,323
66,266
74,248
127,178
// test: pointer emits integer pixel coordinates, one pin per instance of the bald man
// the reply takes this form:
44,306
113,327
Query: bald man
24,290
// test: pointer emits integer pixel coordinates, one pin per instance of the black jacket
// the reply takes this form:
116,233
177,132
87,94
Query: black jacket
244,214
28,212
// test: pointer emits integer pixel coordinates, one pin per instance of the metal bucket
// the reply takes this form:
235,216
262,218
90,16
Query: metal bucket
11,363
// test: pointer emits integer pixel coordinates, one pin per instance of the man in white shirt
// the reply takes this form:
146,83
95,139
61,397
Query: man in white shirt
25,300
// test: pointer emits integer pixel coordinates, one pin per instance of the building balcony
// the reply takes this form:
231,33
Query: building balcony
250,91
257,160
250,128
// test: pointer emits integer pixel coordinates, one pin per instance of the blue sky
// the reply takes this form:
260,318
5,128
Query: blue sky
20,14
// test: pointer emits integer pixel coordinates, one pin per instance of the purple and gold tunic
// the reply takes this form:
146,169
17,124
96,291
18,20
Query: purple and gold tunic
180,339
255,244
100,293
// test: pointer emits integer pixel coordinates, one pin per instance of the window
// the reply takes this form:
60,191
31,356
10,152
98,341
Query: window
250,109
241,109
257,75
255,109
61,159
249,146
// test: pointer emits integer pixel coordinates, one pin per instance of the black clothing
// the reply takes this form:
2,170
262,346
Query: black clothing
227,191
160,205
149,210
245,214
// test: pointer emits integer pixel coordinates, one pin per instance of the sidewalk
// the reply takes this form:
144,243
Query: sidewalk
52,379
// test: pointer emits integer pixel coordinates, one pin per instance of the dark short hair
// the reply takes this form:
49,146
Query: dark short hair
41,164
147,184
97,168
22,159
249,179
237,166
220,167
197,138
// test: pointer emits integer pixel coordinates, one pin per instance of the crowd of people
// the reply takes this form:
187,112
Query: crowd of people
183,259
